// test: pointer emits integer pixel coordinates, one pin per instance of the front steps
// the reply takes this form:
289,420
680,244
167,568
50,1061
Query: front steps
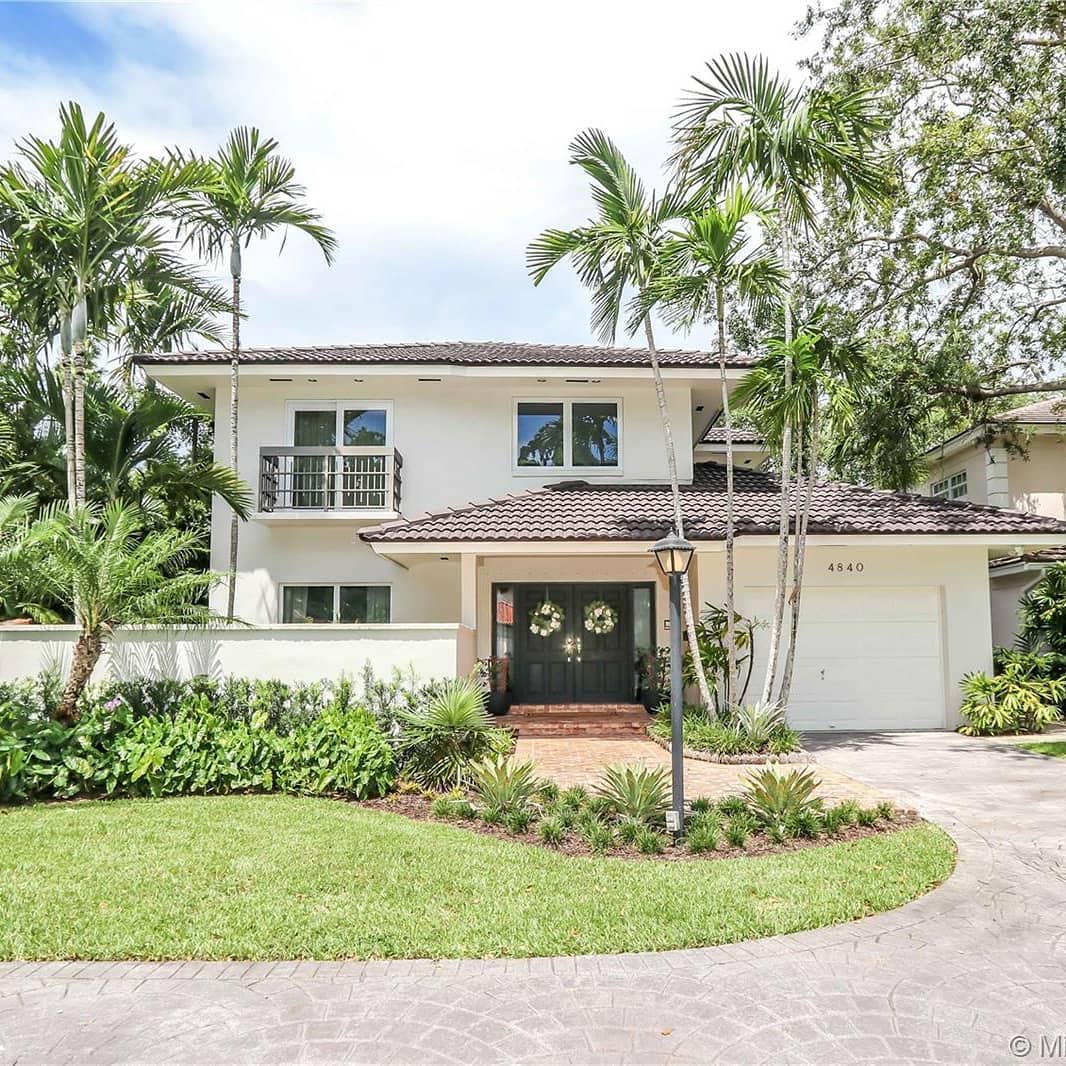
602,721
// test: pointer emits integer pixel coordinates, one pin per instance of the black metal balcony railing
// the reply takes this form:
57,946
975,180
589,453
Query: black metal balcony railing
329,479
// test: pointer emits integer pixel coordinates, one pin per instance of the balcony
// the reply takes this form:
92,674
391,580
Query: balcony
352,482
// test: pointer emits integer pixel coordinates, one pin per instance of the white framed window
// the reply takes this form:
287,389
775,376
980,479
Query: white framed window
340,423
567,435
325,603
953,487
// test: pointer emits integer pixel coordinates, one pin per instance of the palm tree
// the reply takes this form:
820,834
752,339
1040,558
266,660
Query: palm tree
745,123
252,192
701,264
134,446
825,377
614,253
80,215
100,565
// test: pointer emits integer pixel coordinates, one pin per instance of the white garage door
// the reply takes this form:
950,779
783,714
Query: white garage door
868,658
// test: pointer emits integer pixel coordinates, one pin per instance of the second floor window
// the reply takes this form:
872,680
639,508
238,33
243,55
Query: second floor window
567,434
951,488
331,425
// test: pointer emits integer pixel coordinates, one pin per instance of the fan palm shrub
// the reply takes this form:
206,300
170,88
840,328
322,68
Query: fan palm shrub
637,792
778,800
441,742
1016,700
505,785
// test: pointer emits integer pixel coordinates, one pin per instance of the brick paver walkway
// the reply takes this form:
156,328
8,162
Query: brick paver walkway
581,761
951,977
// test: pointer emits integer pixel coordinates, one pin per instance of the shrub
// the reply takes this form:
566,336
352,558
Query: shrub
442,741
505,784
886,811
575,797
598,835
547,792
517,819
649,841
702,804
806,824
552,831
703,832
115,750
637,792
867,816
758,729
1014,701
849,811
737,831
834,820
775,798
731,805
564,815
627,830
453,808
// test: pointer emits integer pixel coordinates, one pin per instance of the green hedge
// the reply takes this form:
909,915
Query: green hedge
191,743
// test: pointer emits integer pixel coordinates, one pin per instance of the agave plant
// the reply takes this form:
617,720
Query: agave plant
758,722
778,800
441,742
637,792
505,785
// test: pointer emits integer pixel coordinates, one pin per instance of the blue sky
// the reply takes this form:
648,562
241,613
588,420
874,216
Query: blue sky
432,136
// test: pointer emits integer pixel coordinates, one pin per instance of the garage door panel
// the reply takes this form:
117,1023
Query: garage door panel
868,658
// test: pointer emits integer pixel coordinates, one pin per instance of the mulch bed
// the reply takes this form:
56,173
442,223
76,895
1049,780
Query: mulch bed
417,807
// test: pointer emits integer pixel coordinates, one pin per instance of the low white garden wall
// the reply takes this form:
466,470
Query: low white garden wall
282,652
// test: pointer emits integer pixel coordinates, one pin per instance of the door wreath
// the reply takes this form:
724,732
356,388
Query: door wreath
546,618
600,618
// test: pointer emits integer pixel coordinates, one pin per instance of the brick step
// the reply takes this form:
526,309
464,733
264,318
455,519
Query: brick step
538,710
580,724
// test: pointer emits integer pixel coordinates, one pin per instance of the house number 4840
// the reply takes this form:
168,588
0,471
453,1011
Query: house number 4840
846,568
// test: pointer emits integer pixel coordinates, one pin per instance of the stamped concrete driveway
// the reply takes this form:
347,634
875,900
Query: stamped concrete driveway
953,977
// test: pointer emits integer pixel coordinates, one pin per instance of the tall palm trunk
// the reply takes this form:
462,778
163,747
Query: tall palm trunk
66,347
730,503
87,651
79,328
234,387
800,554
777,624
679,522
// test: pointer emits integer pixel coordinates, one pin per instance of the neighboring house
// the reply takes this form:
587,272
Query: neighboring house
1018,461
461,485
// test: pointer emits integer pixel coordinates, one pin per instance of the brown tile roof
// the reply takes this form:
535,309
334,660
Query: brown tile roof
1045,557
1050,410
578,511
455,353
741,435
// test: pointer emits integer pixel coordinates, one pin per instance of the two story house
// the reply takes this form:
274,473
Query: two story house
456,488
1018,461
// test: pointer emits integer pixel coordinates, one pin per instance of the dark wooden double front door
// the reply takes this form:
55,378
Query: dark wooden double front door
573,665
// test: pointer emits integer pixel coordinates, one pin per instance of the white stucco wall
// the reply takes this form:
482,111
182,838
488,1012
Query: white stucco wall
1038,481
1007,590
289,653
960,572
974,461
456,437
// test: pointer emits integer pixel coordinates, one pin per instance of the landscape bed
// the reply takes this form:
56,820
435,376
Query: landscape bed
287,877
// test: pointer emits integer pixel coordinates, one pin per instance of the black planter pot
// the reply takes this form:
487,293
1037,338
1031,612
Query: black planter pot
650,699
499,702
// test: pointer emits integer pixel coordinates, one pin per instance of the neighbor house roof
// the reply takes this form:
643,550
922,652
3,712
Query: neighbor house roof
579,511
456,353
1043,411
741,435
1045,557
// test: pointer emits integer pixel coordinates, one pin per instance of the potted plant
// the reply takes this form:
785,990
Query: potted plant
654,672
496,672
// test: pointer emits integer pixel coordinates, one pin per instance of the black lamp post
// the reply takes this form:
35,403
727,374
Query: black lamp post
674,554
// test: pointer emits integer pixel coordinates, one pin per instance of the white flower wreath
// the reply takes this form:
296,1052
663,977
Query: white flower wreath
600,618
546,618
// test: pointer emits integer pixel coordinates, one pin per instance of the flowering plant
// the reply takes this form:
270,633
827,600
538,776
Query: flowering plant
600,618
546,618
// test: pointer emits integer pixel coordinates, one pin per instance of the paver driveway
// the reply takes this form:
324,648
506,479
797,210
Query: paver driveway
952,977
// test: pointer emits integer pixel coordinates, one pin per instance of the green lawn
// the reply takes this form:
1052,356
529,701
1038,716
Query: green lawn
1047,747
268,877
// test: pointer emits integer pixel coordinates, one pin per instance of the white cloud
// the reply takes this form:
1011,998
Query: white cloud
432,136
